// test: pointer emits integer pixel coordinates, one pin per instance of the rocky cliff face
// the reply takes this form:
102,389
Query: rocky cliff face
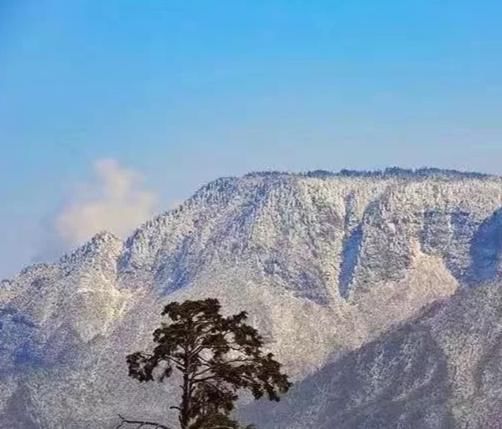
323,263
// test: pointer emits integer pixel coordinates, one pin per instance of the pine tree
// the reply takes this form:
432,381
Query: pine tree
214,357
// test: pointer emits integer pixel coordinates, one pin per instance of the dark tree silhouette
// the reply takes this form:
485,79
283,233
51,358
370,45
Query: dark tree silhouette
215,357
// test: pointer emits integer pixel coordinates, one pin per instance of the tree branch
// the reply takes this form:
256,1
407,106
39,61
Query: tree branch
204,379
139,424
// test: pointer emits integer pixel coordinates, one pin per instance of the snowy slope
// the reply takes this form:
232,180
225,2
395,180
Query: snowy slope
323,263
442,370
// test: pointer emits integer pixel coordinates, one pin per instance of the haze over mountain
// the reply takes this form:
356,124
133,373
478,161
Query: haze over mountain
326,265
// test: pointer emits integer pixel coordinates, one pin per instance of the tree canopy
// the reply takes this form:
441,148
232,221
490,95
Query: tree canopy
213,357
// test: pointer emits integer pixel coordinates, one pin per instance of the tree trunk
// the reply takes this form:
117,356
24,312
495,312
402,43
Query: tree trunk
185,401
184,416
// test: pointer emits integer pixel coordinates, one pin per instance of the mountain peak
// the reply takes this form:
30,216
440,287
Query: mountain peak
103,242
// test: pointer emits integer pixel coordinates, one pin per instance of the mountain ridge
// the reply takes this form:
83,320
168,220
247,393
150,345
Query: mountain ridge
323,265
387,173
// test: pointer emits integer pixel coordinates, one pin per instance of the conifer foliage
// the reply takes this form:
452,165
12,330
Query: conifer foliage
213,357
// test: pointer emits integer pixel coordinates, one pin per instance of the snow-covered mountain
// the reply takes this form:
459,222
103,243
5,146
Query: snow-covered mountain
441,370
324,263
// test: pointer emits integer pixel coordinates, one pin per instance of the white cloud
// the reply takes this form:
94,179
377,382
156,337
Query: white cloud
115,201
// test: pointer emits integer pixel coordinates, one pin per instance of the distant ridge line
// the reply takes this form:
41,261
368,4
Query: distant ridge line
389,172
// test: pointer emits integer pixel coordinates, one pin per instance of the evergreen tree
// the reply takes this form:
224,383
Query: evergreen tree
214,357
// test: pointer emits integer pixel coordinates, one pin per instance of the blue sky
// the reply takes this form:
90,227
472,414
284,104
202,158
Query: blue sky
187,91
